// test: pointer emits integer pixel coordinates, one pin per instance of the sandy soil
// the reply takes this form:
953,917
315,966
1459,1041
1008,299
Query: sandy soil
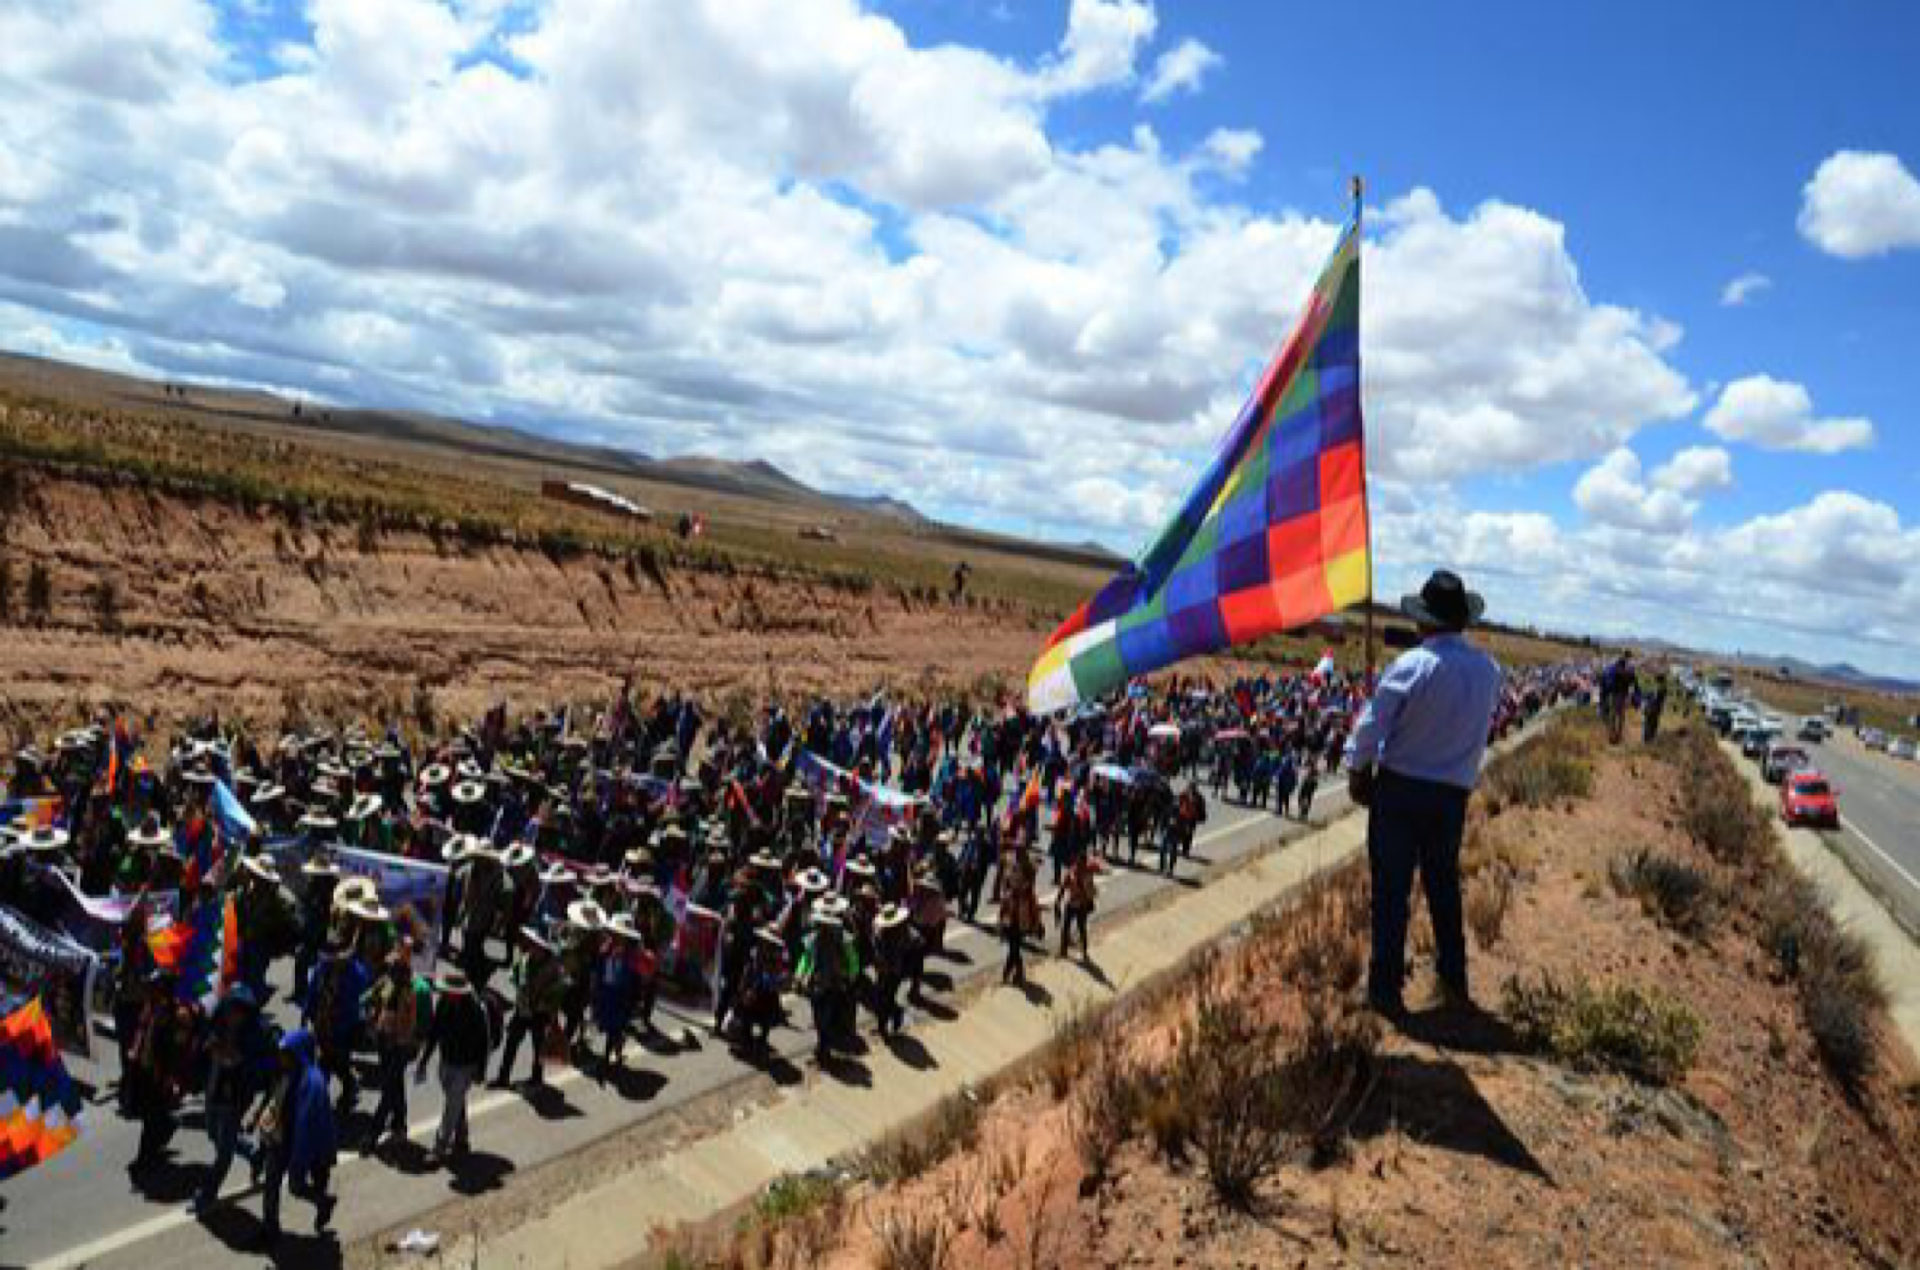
1470,1153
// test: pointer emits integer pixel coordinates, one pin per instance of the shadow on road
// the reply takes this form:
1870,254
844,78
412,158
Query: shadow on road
549,1102
846,1070
910,1051
167,1181
478,1172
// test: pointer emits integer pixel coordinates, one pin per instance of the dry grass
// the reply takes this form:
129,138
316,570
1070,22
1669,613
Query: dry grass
911,1239
953,1127
1488,900
1552,766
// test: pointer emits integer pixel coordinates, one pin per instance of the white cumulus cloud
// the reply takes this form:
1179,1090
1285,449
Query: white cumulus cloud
1695,470
1744,288
1614,492
1861,204
1179,70
1778,414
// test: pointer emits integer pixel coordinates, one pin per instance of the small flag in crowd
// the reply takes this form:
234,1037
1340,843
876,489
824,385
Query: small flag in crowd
203,949
31,813
1273,536
231,817
39,1105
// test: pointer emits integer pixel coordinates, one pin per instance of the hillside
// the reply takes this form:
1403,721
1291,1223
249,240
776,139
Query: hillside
1679,1061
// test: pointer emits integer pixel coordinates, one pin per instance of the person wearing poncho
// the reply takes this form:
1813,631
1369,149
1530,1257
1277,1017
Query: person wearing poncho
827,970
297,1135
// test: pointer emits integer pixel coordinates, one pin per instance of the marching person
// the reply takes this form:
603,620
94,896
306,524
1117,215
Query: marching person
1309,786
296,1130
827,971
1415,759
236,1051
398,1021
894,941
462,1036
1075,902
161,1050
539,990
1019,911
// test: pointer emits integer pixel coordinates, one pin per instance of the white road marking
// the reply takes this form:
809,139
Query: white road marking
1880,851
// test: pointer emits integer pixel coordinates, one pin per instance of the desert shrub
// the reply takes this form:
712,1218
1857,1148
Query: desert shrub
1252,1095
914,1238
1717,809
39,597
1489,896
1839,990
1839,1017
797,1194
1320,942
1103,1113
1672,892
1638,1032
1076,1034
1547,768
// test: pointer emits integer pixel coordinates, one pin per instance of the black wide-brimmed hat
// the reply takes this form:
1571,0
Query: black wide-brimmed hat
1444,602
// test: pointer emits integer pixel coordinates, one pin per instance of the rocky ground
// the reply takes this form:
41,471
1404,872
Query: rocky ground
1463,1145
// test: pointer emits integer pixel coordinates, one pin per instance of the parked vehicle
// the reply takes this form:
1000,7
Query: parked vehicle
1903,747
1781,759
1873,738
1758,737
1813,729
1806,798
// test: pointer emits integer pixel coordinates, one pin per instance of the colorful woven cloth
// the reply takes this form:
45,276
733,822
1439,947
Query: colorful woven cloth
1273,536
203,949
39,1105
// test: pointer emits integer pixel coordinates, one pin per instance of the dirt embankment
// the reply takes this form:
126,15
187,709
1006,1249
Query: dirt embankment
1462,1139
171,606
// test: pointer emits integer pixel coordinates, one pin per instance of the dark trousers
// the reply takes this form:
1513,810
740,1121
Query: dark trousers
391,1113
731,977
1075,919
973,882
1015,969
1415,826
522,1026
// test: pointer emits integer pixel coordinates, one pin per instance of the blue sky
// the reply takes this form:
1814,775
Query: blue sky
1016,262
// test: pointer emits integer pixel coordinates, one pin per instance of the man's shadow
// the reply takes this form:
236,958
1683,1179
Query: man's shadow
1435,1101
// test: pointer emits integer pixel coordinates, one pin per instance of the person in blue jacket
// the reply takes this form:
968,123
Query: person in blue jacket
297,1139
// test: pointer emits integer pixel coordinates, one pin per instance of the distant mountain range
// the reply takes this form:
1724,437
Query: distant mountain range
1841,674
752,478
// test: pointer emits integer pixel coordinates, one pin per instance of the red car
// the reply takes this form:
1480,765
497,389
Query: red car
1807,799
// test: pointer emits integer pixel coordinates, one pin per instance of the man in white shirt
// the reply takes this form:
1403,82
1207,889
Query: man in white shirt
1415,758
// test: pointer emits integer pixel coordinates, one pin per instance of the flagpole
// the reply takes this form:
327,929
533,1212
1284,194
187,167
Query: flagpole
1366,504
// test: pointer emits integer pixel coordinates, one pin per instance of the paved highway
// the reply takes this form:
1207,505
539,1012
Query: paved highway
81,1207
1880,814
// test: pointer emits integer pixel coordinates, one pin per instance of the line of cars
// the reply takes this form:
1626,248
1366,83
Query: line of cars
1807,797
1887,743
